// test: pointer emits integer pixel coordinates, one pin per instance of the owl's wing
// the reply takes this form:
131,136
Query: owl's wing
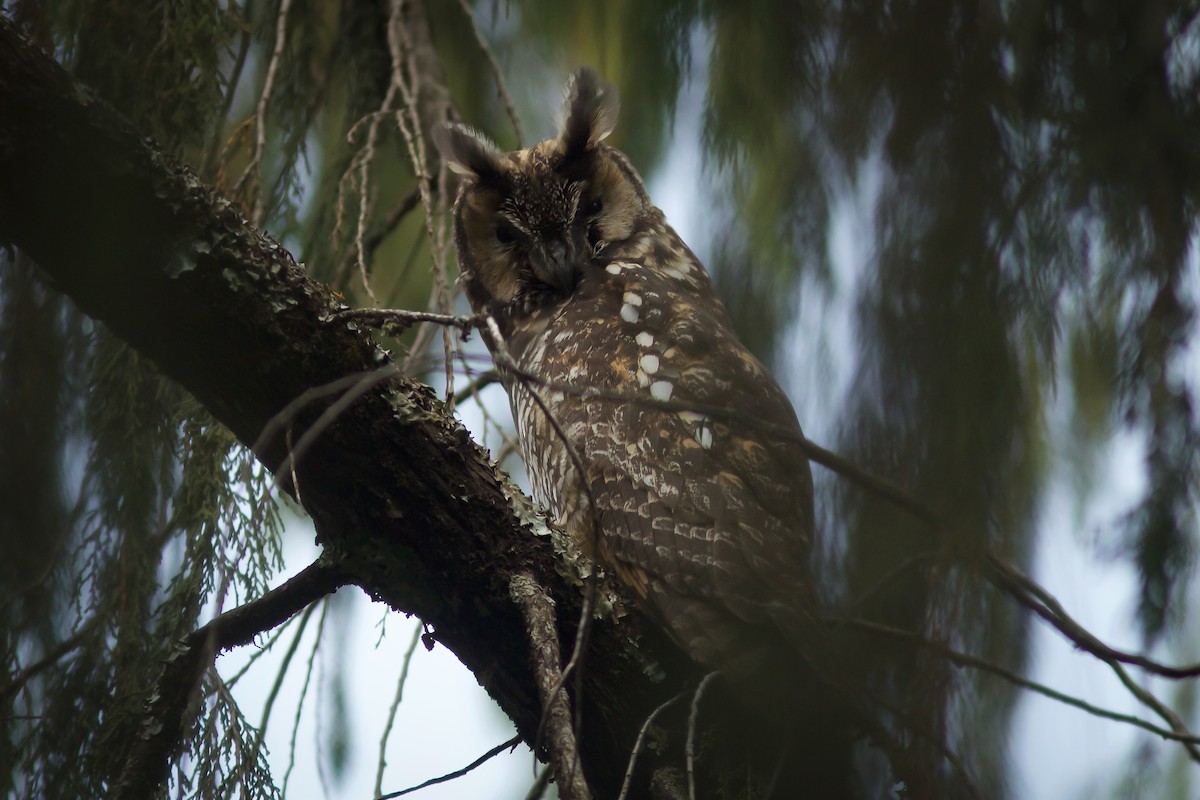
714,510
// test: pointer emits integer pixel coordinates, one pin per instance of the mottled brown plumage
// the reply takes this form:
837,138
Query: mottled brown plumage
705,517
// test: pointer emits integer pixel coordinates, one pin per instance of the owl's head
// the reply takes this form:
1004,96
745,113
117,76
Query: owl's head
530,223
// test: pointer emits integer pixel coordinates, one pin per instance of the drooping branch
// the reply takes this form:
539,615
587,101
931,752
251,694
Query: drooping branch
191,658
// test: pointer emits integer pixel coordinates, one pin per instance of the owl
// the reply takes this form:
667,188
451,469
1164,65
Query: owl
649,431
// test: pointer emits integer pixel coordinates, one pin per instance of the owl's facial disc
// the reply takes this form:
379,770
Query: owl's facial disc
540,226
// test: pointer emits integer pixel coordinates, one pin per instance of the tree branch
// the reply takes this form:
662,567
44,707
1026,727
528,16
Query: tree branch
162,727
538,612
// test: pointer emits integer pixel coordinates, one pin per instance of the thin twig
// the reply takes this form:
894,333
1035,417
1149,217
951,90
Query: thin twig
693,719
458,773
286,414
478,384
231,85
292,460
1035,597
397,320
501,88
967,660
1158,707
872,591
299,708
637,745
407,76
260,113
366,382
259,652
366,248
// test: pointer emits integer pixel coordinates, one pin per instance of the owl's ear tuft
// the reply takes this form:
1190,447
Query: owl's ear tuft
590,113
468,152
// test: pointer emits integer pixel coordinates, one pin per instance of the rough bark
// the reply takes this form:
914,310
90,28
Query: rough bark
395,485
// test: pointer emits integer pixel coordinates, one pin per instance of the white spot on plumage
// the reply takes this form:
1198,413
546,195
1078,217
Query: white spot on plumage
649,363
614,269
675,272
642,378
661,390
629,313
704,435
632,298
645,339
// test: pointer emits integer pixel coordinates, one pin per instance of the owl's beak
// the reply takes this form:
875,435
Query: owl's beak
555,263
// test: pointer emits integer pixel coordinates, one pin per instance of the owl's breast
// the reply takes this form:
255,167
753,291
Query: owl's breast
564,355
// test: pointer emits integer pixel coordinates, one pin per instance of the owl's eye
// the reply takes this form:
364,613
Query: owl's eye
592,207
506,232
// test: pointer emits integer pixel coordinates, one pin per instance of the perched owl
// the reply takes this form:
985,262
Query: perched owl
706,518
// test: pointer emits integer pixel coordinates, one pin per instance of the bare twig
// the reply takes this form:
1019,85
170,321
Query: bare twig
260,114
637,745
397,320
874,590
365,248
362,384
1158,707
260,651
967,660
286,414
480,382
501,88
292,461
537,609
409,45
693,719
299,707
458,773
231,85
1034,596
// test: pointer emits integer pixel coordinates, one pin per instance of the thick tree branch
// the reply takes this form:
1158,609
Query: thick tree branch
398,491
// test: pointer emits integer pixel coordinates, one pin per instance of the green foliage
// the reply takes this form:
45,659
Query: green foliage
230,761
